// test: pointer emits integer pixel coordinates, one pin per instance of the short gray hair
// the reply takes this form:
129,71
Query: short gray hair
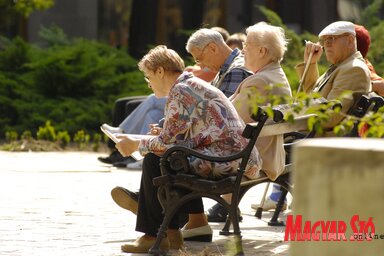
161,56
203,37
271,37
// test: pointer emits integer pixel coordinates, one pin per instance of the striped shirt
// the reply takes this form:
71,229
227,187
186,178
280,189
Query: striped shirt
231,73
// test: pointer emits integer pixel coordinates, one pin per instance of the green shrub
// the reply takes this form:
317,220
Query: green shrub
11,136
73,83
63,138
81,138
26,135
97,137
46,132
15,55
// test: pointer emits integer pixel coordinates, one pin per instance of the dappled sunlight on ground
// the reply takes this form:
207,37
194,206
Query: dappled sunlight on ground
60,204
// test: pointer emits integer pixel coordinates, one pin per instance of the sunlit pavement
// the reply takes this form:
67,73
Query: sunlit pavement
59,203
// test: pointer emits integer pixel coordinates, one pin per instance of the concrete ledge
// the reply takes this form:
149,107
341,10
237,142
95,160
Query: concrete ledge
339,179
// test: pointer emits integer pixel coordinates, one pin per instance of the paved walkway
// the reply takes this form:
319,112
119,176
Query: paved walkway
59,203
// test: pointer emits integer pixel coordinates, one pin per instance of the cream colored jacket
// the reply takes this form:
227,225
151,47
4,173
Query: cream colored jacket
270,79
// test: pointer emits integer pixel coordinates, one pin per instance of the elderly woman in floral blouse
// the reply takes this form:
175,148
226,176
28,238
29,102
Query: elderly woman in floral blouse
197,115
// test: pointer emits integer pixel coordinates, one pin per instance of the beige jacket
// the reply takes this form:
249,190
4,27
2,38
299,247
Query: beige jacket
270,79
350,75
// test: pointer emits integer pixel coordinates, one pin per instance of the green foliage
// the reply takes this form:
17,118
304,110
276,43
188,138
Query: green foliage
373,123
295,47
81,69
73,83
26,7
318,109
11,136
12,10
97,137
26,135
294,53
46,132
15,55
370,16
376,51
54,36
63,138
370,125
320,112
81,138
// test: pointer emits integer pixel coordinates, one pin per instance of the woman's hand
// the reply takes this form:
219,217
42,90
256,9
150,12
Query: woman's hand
315,49
127,145
154,129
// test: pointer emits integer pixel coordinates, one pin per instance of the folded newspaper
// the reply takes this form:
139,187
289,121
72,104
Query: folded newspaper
113,136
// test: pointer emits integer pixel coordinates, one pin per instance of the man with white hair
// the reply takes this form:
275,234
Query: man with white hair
348,71
210,51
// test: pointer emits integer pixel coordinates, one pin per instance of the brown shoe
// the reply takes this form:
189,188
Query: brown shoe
175,239
143,244
125,199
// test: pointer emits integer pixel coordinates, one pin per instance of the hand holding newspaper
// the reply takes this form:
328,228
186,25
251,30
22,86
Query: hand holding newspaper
114,137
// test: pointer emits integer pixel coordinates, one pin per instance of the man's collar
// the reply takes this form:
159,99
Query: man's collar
356,55
236,52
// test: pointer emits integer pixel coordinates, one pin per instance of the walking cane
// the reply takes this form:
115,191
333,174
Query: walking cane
304,73
260,208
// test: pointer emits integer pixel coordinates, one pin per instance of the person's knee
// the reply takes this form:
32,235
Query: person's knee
151,161
150,157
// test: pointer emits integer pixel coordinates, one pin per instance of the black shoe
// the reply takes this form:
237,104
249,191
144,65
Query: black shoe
125,199
124,162
115,156
218,213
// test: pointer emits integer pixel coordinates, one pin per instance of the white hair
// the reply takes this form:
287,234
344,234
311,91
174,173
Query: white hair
203,37
271,37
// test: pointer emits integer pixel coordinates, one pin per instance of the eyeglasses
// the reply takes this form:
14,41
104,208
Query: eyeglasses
330,39
198,59
146,79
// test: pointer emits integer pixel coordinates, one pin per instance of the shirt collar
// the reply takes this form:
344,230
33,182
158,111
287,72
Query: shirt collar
184,76
229,60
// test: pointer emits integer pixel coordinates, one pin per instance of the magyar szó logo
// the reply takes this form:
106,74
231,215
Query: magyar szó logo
330,230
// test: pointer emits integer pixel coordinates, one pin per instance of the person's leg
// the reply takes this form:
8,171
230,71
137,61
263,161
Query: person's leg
197,227
149,111
119,109
218,213
196,216
272,199
149,214
276,193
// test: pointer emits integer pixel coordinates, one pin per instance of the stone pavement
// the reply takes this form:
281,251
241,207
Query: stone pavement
58,203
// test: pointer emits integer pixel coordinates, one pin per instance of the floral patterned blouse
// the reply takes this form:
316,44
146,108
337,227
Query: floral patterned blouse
201,117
